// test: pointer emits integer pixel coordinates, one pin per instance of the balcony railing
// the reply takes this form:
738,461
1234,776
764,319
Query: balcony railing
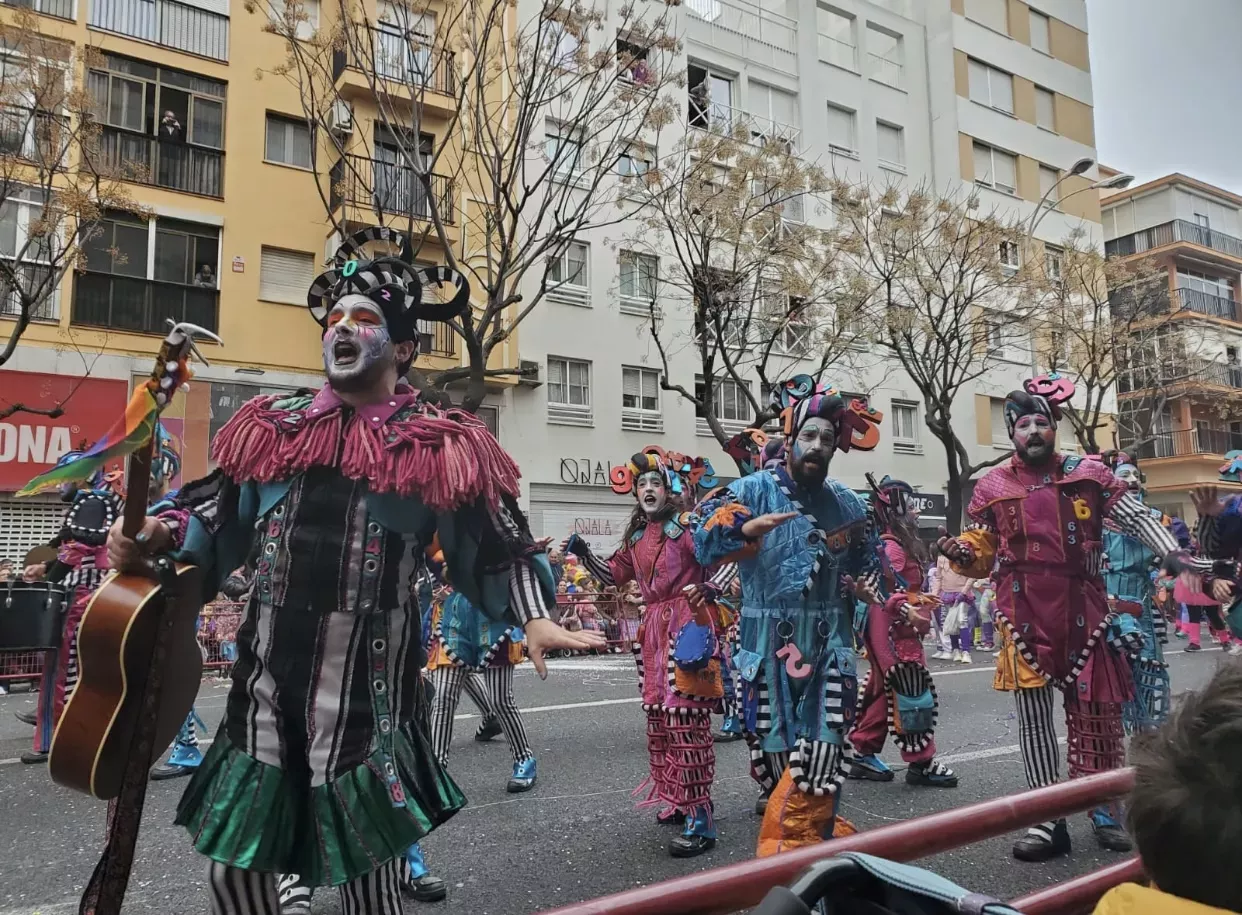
1185,443
747,29
172,164
724,119
61,9
1190,371
889,72
1205,303
436,338
400,58
164,22
389,189
39,136
1179,230
142,306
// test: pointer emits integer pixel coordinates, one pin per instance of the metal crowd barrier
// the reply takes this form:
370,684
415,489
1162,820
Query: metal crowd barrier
611,615
742,886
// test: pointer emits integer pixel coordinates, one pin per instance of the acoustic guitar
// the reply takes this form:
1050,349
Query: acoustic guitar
139,666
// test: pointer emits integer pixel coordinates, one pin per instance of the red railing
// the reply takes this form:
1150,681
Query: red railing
741,886
16,666
217,634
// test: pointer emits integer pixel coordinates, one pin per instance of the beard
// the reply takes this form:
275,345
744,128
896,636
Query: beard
1035,451
811,469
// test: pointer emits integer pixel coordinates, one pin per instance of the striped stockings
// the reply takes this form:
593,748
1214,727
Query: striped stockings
1037,739
448,683
239,892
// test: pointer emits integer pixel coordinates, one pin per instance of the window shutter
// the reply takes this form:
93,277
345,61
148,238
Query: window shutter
629,382
649,384
284,276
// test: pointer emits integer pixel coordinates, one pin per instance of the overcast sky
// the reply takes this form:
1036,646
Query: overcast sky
1168,87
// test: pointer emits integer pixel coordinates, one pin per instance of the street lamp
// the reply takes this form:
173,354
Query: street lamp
1083,165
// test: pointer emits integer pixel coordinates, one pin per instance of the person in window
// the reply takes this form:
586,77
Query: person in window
205,277
170,127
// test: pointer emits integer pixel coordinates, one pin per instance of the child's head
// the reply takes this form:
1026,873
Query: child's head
1185,812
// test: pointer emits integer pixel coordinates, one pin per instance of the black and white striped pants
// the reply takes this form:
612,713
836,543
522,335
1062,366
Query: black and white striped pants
238,892
498,681
1037,736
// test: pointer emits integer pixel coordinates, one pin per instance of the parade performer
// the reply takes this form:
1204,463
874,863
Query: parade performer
1040,517
322,766
679,677
80,565
899,694
1128,579
804,554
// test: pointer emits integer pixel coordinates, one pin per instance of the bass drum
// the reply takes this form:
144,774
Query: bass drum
32,615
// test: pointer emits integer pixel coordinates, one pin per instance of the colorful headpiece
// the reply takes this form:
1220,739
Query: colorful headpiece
889,498
165,462
695,474
390,282
801,398
747,448
94,481
1231,470
1040,396
773,452
681,473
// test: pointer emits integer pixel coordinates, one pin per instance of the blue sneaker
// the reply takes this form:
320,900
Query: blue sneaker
1109,834
871,768
418,881
183,760
698,836
523,776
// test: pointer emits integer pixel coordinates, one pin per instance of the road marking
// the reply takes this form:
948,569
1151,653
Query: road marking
984,754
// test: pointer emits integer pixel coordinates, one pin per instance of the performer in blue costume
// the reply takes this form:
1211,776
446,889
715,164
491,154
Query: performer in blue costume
1128,578
804,551
322,765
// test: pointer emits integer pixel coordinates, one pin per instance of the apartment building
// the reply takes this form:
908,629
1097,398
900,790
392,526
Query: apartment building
1178,405
237,229
986,95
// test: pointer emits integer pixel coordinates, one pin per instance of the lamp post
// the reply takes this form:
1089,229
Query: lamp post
1042,209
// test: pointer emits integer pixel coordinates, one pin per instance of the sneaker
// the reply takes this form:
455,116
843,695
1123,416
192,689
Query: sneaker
933,774
26,718
1181,634
523,778
1109,834
487,730
965,658
1193,647
1043,842
941,655
956,656
987,648
3,690
871,768
294,895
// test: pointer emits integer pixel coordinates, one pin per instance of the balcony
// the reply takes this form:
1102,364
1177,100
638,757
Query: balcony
1189,372
61,9
1188,443
725,119
164,22
403,62
384,189
746,31
436,338
126,303
1205,303
36,136
172,164
1175,232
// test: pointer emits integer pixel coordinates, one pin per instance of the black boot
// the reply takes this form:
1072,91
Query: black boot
761,803
34,757
690,846
426,888
1042,844
27,718
487,730
1109,834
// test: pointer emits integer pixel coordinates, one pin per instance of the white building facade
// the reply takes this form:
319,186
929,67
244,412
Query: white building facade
962,94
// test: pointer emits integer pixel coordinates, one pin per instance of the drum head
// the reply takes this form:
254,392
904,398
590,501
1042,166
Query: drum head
38,555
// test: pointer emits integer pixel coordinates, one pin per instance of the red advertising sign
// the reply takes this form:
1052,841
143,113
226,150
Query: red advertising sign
31,444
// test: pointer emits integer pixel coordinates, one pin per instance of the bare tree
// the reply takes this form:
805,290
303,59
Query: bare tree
539,121
725,211
56,181
947,298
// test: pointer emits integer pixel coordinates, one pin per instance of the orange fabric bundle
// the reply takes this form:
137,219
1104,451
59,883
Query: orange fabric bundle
794,819
700,684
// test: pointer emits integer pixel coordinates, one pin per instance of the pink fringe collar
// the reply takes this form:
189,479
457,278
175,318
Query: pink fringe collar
446,459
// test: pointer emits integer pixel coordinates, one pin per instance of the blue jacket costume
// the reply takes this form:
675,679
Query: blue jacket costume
1128,581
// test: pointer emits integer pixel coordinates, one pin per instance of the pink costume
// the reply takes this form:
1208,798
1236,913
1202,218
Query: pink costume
891,640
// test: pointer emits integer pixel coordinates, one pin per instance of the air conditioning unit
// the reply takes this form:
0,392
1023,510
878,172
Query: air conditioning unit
528,371
341,117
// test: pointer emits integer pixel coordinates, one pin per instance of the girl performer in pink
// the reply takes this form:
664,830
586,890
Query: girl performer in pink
678,670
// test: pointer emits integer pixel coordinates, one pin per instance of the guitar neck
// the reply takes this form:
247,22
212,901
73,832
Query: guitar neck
137,486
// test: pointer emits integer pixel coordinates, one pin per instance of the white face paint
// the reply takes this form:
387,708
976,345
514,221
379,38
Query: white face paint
812,452
357,348
651,492
1129,474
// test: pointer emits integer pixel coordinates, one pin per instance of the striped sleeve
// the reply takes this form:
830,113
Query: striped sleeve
600,569
1208,534
526,598
1136,519
724,576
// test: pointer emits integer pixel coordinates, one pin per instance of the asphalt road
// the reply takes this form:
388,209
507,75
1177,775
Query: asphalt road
576,835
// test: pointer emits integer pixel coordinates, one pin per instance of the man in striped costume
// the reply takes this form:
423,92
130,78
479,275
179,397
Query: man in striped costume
1040,521
322,766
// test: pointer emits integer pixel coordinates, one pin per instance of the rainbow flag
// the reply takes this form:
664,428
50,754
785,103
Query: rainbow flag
126,436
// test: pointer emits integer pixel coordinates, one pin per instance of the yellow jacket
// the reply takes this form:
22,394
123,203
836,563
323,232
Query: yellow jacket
1132,899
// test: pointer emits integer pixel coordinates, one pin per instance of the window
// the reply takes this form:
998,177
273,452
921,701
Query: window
636,161
992,13
402,44
730,405
841,130
836,38
285,275
564,149
288,142
304,17
1048,180
710,99
991,87
639,274
886,55
996,168
633,62
1054,263
1041,32
490,414
773,114
1000,434
905,426
559,44
1203,221
1045,109
187,253
568,274
22,209
1009,257
891,142
1218,286
569,391
640,400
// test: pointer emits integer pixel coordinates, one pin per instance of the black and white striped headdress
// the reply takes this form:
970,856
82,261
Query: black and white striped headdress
390,282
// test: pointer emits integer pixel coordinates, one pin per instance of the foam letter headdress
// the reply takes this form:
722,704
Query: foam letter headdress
800,398
1040,396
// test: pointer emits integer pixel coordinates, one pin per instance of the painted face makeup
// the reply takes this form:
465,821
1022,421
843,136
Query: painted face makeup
651,493
1129,474
1034,438
811,452
357,348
